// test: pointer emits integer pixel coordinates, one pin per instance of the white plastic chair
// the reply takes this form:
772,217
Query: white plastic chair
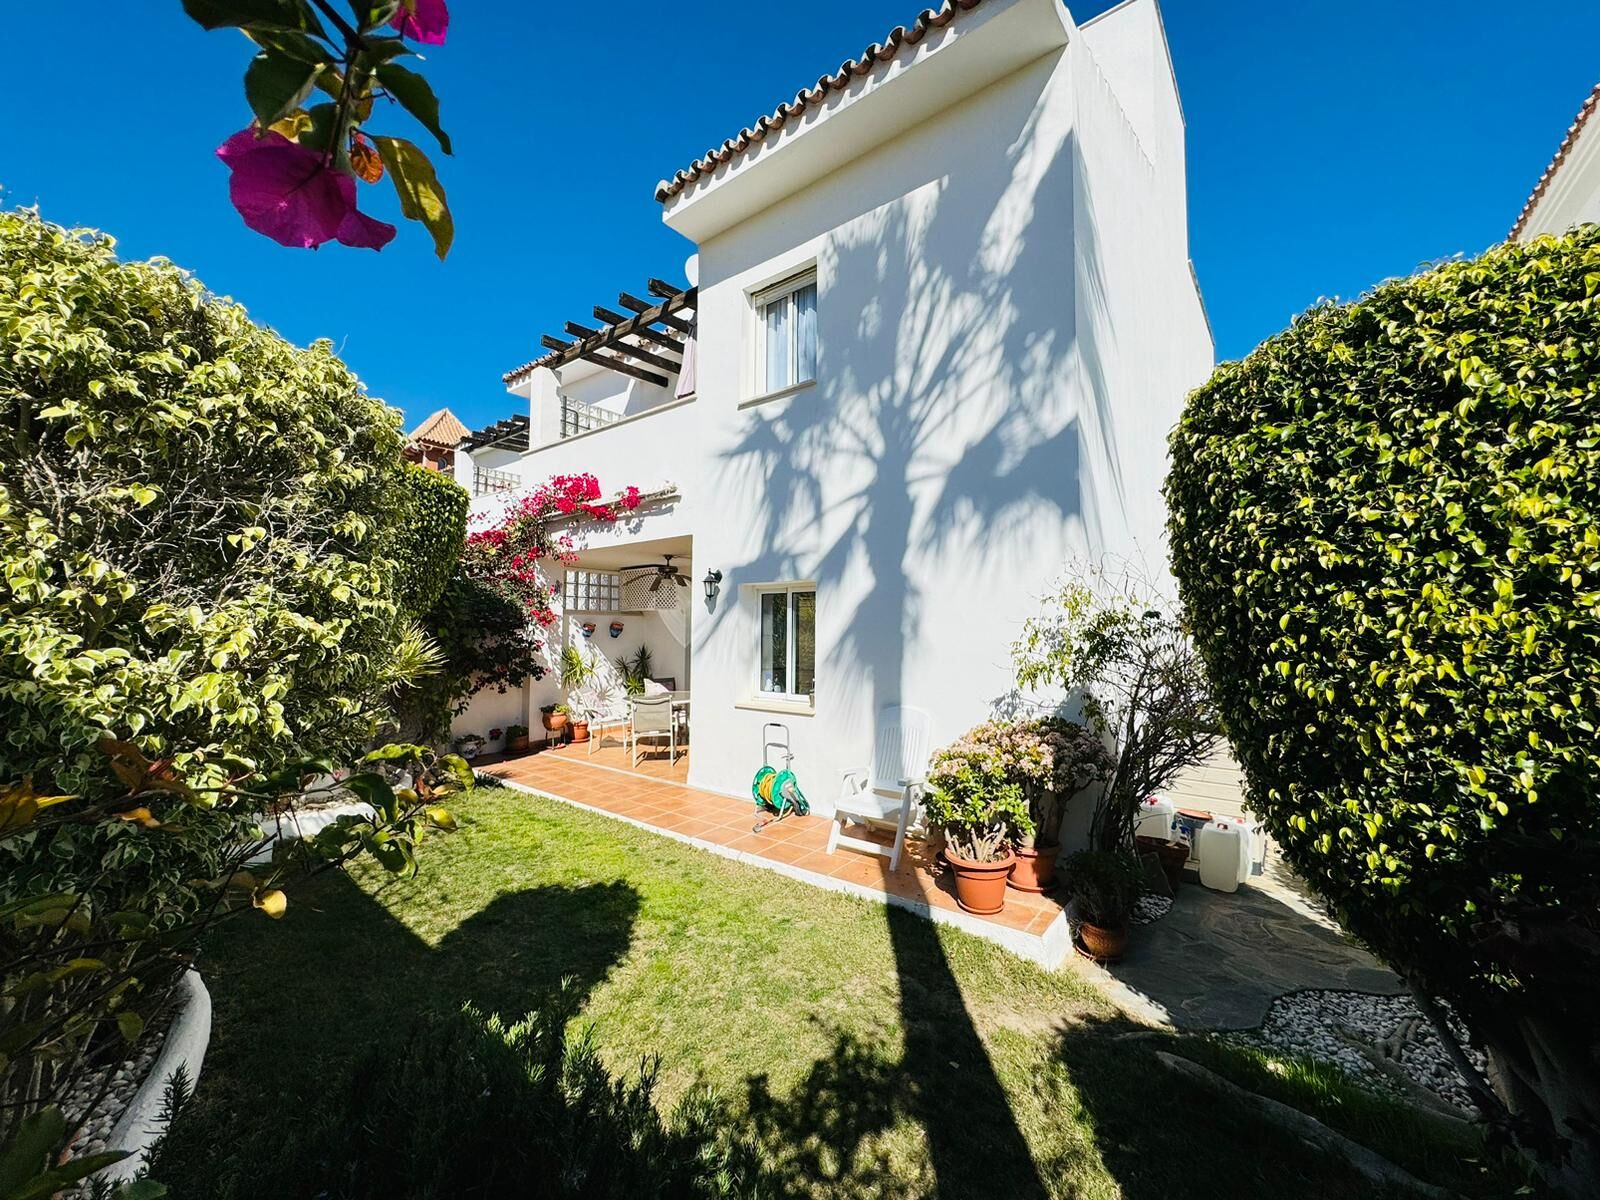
886,796
614,716
652,718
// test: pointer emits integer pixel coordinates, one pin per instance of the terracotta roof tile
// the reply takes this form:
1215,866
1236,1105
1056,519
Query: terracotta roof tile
897,39
1565,149
441,429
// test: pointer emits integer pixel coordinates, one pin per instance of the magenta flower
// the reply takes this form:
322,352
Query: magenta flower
291,193
422,20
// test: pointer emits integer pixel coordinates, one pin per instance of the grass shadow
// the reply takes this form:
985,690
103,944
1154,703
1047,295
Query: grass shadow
354,976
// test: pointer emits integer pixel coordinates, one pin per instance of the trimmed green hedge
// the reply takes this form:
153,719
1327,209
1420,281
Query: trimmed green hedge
1386,524
428,546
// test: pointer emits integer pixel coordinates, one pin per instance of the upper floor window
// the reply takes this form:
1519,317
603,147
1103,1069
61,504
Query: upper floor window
786,327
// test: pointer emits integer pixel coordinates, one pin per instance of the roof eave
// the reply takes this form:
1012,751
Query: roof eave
833,122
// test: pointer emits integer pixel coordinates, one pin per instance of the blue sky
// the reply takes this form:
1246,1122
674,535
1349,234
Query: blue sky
1330,146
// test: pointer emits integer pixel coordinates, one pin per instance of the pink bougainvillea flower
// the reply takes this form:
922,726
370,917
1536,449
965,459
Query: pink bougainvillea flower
290,193
422,21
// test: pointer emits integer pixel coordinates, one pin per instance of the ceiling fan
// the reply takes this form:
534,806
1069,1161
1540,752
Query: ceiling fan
663,572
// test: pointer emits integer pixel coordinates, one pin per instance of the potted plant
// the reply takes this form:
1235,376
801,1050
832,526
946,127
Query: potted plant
1103,885
469,745
577,673
981,813
634,672
554,718
516,739
1052,760
494,738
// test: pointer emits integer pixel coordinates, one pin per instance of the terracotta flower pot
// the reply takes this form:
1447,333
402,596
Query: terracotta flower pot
580,731
980,887
554,722
1102,944
1035,870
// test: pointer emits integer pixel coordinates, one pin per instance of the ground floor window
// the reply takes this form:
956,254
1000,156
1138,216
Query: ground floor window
788,668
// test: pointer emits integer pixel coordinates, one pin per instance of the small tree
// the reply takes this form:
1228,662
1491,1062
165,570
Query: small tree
1139,681
1387,523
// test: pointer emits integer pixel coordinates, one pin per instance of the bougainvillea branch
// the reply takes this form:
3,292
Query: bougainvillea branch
294,169
509,553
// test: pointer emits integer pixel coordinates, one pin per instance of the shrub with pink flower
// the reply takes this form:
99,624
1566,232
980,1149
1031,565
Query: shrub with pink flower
1049,758
536,530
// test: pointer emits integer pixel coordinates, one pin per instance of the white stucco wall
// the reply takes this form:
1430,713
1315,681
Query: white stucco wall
1572,196
1007,326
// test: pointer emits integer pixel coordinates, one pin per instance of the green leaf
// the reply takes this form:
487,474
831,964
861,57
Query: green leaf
321,134
421,195
288,777
139,1189
416,97
395,751
382,50
130,1024
370,14
275,85
38,1136
458,768
292,45
295,15
375,790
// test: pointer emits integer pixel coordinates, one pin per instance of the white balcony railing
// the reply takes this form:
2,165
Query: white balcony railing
578,417
490,483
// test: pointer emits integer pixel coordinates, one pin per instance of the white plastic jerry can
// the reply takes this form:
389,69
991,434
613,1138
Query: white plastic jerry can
1224,855
1156,814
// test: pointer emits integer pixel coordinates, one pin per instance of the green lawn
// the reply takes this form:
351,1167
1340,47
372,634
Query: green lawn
871,1052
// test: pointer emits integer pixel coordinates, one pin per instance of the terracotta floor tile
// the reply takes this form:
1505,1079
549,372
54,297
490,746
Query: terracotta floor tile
698,827
860,869
816,860
785,852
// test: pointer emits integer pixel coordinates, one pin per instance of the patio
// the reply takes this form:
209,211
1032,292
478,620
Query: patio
1031,926
654,762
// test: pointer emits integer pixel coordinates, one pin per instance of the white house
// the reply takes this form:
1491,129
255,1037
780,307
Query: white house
1568,193
940,320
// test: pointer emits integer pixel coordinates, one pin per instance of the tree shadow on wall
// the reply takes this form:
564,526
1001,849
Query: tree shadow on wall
939,434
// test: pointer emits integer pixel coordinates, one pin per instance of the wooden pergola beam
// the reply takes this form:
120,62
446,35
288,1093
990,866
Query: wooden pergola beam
616,364
612,317
640,354
613,337
658,287
671,322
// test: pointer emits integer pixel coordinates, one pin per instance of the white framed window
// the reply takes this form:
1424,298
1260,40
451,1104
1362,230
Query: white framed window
787,664
786,334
